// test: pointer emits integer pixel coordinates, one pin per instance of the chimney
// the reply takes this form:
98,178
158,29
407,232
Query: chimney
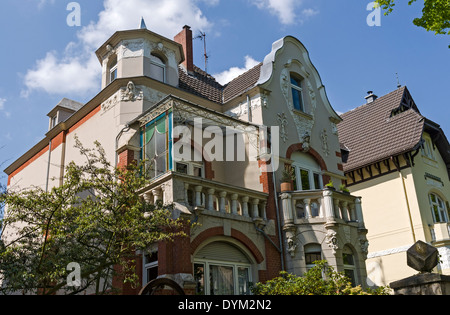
370,97
185,39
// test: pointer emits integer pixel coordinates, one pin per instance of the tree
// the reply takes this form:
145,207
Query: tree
95,219
435,14
322,279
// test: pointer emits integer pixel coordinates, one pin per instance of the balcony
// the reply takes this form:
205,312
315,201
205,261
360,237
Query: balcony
321,206
192,194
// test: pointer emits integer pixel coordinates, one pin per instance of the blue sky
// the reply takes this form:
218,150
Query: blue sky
43,59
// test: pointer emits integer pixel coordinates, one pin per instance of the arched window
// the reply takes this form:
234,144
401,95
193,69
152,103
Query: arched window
313,253
157,68
222,269
297,91
439,209
308,175
349,265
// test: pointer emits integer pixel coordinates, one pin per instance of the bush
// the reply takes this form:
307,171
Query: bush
322,279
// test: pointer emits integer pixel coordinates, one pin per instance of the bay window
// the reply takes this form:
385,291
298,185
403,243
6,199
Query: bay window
156,144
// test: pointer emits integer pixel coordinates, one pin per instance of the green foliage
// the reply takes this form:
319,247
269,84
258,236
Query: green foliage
322,279
96,219
435,14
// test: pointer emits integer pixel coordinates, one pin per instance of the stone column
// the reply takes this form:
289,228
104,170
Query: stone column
328,205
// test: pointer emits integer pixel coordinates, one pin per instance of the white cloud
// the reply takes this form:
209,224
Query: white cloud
285,10
232,73
77,71
2,108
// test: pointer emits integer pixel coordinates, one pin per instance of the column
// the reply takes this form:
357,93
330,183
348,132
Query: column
234,198
210,202
245,206
222,201
255,209
198,196
328,205
359,213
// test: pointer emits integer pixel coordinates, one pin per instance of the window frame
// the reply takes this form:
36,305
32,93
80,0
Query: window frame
442,210
169,163
298,88
159,63
298,182
148,266
207,263
191,165
427,148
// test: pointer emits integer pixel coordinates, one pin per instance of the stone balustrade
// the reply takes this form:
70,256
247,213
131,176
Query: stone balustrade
199,194
301,206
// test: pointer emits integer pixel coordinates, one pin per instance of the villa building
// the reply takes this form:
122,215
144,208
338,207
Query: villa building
273,118
399,163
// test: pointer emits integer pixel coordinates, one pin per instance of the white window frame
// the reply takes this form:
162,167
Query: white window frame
207,263
190,167
427,148
442,211
148,266
351,267
298,167
161,65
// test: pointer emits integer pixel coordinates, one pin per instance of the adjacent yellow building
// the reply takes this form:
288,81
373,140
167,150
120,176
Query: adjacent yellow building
399,163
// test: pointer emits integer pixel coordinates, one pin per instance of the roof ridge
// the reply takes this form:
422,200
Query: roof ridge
375,101
243,74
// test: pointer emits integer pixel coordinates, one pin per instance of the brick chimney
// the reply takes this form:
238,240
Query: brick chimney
185,39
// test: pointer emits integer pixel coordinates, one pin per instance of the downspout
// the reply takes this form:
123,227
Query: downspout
280,234
48,164
406,200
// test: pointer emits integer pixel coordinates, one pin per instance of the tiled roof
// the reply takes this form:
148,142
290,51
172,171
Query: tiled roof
372,133
203,84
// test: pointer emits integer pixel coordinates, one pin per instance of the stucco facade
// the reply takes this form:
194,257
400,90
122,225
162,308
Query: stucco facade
274,117
406,193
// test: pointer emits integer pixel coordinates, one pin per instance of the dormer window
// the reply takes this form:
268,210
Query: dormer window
157,68
54,121
297,97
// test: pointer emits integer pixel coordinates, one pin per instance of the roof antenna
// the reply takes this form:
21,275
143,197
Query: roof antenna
202,37
398,81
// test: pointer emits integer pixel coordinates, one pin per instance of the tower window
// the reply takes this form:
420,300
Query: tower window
157,68
113,70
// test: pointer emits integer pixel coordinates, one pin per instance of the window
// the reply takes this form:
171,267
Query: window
222,269
113,70
150,267
54,121
156,138
439,209
191,168
297,96
427,148
349,265
313,253
157,68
